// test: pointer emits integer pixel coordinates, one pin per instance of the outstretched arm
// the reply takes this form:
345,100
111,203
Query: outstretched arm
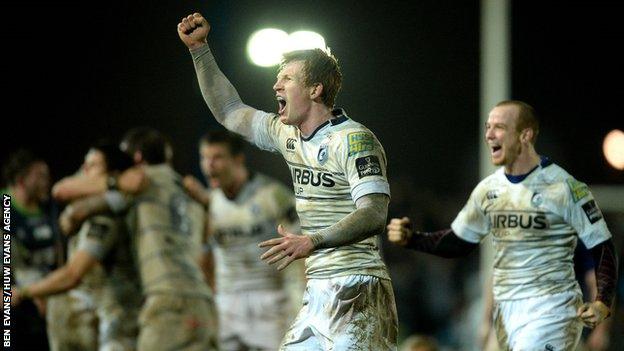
220,95
367,220
443,243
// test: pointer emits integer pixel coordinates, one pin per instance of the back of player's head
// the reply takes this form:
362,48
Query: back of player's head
527,117
318,67
234,143
18,165
154,147
116,160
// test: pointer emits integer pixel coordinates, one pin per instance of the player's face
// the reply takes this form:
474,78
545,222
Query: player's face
293,98
217,164
94,163
37,181
501,135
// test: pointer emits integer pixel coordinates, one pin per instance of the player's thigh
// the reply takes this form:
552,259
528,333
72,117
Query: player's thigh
177,323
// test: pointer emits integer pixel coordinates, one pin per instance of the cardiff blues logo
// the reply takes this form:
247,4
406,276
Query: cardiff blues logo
322,154
537,199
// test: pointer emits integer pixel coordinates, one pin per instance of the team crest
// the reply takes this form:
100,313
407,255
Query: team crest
322,154
537,199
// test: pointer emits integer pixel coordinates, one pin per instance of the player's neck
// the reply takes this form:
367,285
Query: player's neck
524,163
241,176
319,114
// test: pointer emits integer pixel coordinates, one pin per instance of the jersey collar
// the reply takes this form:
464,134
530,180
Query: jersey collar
544,162
339,116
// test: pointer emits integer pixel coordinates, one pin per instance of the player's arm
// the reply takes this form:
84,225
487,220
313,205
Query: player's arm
367,220
605,261
206,258
60,280
131,181
220,95
443,243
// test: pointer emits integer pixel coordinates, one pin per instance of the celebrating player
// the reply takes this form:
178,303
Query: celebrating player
535,211
338,172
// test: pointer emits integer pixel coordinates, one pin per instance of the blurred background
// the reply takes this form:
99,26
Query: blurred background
77,73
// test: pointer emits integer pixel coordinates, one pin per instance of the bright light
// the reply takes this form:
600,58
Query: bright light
613,149
303,39
266,46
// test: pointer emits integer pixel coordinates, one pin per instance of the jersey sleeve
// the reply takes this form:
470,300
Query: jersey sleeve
266,131
364,164
583,214
471,224
99,238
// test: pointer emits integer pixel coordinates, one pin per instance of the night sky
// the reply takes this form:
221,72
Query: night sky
76,73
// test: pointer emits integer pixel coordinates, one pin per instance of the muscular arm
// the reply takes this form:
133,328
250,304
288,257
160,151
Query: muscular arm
367,220
220,95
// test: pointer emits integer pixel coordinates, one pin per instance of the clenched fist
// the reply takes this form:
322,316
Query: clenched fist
592,314
193,30
400,231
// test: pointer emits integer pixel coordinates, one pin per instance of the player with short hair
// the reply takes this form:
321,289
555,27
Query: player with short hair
255,302
535,212
338,168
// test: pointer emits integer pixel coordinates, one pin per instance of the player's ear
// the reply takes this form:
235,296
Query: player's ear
527,135
316,91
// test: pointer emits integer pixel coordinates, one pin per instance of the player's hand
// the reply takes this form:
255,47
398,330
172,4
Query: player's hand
400,231
593,313
288,246
193,30
196,190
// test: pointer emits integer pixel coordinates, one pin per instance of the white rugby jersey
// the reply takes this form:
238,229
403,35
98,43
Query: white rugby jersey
338,163
534,225
238,225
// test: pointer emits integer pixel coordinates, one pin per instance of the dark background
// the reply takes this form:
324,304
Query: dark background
75,73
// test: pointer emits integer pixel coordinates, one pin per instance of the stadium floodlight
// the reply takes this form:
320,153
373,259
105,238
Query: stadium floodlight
266,46
304,39
613,148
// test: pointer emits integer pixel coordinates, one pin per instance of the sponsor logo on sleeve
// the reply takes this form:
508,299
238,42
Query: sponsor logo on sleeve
592,212
577,189
368,166
360,142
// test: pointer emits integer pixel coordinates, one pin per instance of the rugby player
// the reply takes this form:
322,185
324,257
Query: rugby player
338,169
535,212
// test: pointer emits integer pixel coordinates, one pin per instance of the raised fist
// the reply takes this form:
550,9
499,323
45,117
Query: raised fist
193,30
400,231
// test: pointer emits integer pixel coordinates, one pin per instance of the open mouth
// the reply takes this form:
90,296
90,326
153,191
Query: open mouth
281,102
496,150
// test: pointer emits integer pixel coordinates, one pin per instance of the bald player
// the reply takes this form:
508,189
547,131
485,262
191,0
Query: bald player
338,170
535,212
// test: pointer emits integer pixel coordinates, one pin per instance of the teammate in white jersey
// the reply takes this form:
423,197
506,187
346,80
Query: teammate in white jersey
338,169
255,302
535,211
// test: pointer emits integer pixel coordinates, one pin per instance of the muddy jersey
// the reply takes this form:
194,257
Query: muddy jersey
338,163
534,224
238,225
167,226
114,283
